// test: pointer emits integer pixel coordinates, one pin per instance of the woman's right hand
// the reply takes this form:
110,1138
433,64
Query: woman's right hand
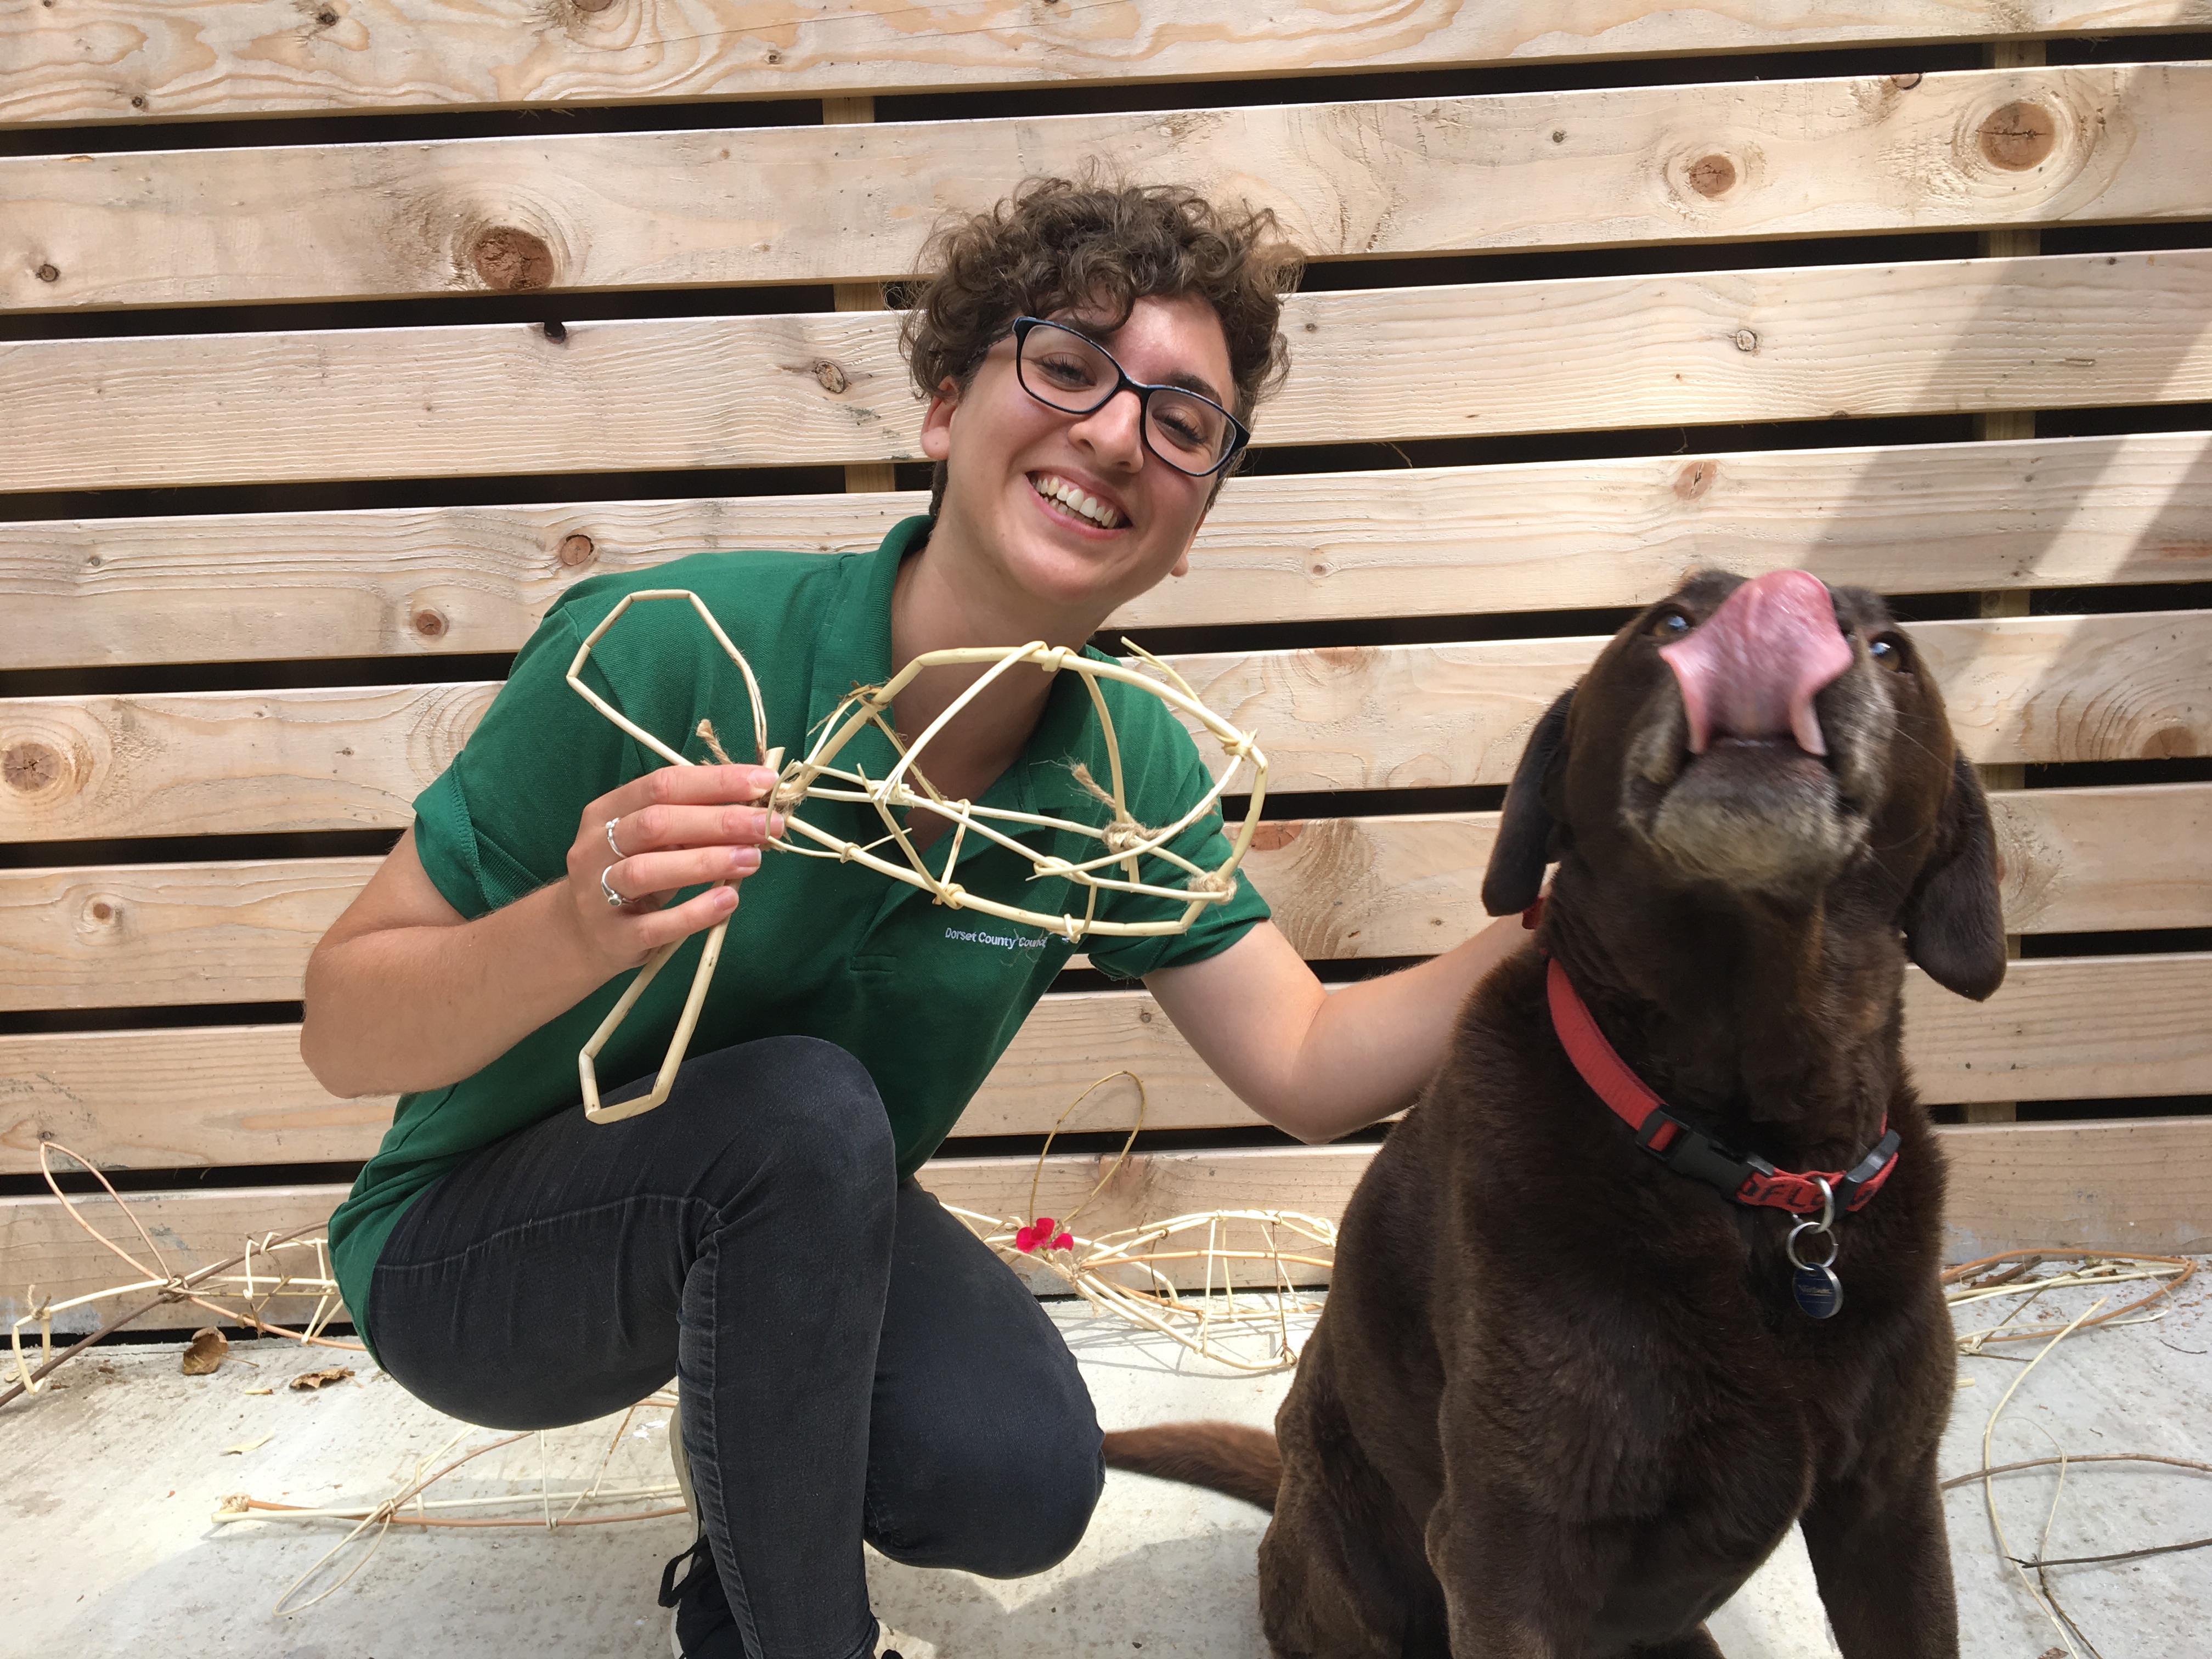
671,829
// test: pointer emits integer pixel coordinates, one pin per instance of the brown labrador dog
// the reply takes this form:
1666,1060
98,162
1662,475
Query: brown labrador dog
1571,1385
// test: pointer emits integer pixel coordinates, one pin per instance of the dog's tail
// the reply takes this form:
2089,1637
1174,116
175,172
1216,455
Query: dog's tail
1225,1457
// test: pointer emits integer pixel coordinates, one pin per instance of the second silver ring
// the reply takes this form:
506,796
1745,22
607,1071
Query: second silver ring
611,847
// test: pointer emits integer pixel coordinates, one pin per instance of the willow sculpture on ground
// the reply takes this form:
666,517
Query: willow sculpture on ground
1134,1272
1122,840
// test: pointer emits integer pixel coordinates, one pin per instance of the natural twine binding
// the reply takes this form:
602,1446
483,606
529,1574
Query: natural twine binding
817,776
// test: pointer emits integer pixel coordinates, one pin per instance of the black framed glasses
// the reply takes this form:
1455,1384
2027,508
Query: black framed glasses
1071,372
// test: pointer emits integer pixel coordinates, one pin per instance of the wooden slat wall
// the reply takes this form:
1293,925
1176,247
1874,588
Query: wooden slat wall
124,732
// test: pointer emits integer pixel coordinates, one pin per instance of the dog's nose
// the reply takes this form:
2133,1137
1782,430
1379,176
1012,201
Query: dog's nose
1752,668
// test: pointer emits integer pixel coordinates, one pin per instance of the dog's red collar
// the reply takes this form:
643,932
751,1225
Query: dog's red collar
1746,1179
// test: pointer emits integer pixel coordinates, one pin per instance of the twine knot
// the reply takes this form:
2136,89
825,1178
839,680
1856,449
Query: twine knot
1124,835
1216,884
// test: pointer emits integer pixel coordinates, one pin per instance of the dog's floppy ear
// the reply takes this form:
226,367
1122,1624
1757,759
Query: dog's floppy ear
1524,846
1953,923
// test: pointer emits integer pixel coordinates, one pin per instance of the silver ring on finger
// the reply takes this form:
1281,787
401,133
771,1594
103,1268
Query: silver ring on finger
615,900
611,847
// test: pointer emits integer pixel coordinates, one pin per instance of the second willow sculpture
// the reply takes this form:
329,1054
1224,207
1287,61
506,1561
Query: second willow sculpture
1122,840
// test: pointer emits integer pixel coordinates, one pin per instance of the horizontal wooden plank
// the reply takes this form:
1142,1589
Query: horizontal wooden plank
2088,1028
41,1246
2127,1184
819,203
2065,1028
136,936
44,1256
2044,689
2052,513
1369,365
2124,1184
115,60
2076,860
2097,861
2054,689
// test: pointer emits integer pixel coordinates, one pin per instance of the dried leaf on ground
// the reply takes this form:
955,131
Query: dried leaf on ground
318,1379
247,1445
206,1351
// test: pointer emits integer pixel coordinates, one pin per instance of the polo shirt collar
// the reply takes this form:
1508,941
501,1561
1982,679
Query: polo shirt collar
855,650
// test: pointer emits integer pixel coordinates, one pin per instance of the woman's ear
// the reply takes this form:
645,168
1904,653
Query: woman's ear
1524,846
1953,921
937,420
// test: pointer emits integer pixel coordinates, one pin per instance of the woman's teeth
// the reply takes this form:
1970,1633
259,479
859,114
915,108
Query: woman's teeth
1083,506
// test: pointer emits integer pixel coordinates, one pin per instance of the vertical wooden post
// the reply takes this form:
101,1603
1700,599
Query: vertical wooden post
859,296
2007,244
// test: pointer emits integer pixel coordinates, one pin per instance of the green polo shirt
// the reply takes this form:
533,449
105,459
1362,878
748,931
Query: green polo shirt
927,997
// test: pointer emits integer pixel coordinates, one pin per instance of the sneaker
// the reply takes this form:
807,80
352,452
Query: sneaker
889,1645
702,1626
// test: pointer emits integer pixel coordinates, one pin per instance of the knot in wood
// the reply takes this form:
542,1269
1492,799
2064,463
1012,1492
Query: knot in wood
1746,340
1712,175
511,260
576,549
2019,136
1694,480
101,911
833,379
428,623
47,273
31,768
1905,82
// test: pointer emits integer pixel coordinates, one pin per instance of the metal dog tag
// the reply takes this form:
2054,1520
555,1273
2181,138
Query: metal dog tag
1818,1292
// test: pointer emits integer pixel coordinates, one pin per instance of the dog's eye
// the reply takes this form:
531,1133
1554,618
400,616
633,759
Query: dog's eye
1887,649
1668,625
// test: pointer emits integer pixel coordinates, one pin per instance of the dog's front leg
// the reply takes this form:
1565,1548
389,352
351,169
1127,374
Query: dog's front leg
1518,1582
1883,1561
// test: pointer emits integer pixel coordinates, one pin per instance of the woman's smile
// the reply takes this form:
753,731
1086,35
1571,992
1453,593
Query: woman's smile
1089,506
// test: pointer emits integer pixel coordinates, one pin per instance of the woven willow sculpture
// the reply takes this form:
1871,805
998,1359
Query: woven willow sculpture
1123,841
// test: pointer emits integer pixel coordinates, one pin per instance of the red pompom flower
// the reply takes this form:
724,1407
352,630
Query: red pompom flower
1039,1235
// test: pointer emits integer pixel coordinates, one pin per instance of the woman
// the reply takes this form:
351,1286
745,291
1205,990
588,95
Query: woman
853,1364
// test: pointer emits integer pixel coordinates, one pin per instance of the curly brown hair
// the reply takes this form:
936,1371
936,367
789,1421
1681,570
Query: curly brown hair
1057,242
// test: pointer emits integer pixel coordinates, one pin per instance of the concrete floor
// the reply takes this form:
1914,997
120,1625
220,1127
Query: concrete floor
111,1478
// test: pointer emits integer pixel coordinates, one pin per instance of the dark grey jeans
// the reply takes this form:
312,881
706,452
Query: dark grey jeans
854,1363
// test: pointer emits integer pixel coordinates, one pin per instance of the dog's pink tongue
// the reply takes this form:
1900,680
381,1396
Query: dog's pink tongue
1751,669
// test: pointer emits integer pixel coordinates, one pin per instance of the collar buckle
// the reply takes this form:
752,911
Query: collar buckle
1692,1152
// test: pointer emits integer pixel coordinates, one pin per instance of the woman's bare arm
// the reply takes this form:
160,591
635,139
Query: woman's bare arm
404,993
1317,1063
